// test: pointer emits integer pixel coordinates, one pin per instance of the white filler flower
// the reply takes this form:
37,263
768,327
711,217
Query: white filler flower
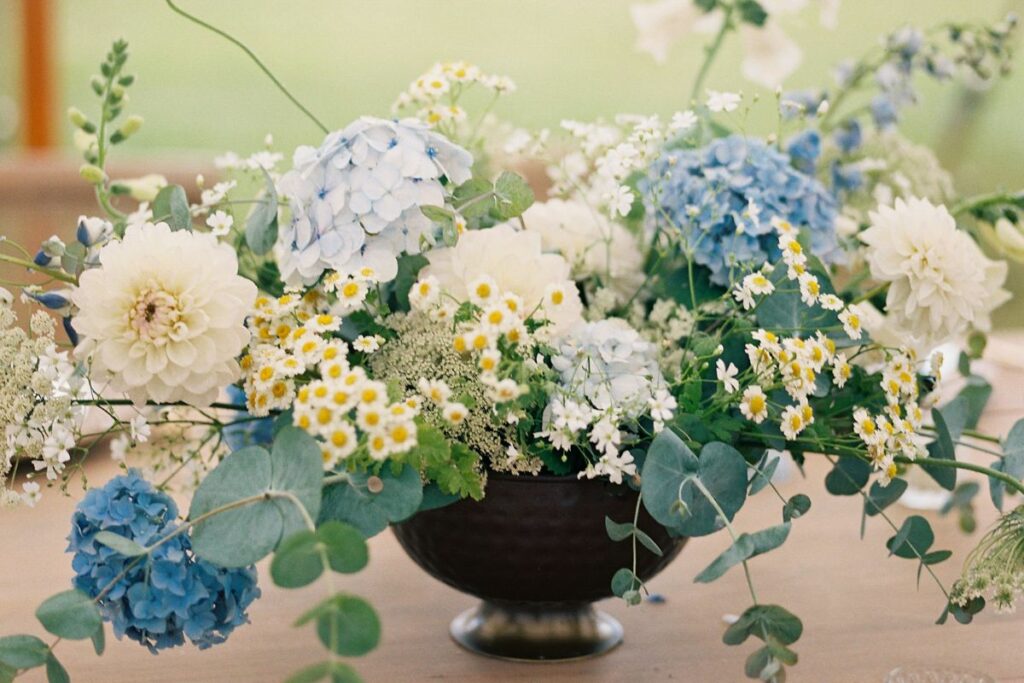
163,317
940,281
516,263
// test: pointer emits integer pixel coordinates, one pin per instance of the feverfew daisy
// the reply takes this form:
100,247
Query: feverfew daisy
754,404
367,344
727,376
792,422
851,320
424,293
454,413
435,390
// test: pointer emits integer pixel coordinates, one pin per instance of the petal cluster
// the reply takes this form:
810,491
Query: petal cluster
355,201
163,317
169,596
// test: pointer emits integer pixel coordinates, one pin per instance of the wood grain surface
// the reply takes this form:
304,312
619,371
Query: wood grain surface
862,611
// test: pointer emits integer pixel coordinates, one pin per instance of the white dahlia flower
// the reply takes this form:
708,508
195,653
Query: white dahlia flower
593,245
163,317
941,283
516,262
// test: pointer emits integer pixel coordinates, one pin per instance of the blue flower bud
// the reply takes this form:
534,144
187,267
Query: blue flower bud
93,231
849,137
883,111
804,149
59,300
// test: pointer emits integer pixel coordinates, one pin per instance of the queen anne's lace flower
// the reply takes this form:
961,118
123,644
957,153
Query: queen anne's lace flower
163,318
709,194
169,596
511,261
356,199
940,281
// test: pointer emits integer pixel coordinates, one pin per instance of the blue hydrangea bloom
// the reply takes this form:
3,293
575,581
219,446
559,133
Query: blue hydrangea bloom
169,596
252,433
804,149
708,193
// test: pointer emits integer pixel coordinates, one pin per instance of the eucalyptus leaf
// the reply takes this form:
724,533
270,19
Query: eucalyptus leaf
763,475
880,497
348,626
913,539
23,652
975,395
513,195
618,531
795,507
171,205
623,581
71,614
352,502
745,547
55,671
943,448
332,672
261,224
1012,462
344,545
672,497
277,482
848,476
765,621
297,562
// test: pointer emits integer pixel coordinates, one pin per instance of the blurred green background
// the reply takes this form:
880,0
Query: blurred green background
570,58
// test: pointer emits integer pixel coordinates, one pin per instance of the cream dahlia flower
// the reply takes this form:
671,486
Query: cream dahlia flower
591,243
515,260
941,283
163,317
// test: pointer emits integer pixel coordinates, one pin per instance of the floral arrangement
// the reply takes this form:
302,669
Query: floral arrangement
312,353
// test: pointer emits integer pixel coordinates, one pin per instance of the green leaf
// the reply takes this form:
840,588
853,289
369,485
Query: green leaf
763,475
796,507
352,502
761,664
706,5
261,224
297,562
333,672
409,266
745,547
71,614
848,476
348,626
880,497
752,12
243,535
73,258
513,195
438,214
937,556
23,652
467,197
618,531
914,538
647,542
434,498
783,312
7,673
975,395
171,205
765,621
99,641
624,581
55,671
345,547
1012,462
943,448
125,546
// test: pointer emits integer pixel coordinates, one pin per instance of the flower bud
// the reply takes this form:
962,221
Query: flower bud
1010,239
79,120
56,300
50,252
92,174
145,189
84,142
93,231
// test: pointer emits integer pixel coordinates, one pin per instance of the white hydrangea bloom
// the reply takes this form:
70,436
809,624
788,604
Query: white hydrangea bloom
355,200
608,365
594,245
163,317
940,282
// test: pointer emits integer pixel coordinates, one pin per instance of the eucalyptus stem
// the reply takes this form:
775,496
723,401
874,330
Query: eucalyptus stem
129,402
728,525
263,67
31,266
1007,479
712,51
986,200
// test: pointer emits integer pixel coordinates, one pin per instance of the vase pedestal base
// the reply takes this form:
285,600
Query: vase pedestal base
536,633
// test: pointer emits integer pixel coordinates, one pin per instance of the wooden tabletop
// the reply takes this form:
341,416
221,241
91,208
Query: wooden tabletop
862,612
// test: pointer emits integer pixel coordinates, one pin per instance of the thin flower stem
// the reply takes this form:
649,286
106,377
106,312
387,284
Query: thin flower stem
1007,479
32,267
263,67
712,51
872,293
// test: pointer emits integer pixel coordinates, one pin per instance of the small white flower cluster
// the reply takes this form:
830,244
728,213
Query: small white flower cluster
609,380
666,326
38,421
793,256
894,431
793,364
498,321
608,154
436,93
